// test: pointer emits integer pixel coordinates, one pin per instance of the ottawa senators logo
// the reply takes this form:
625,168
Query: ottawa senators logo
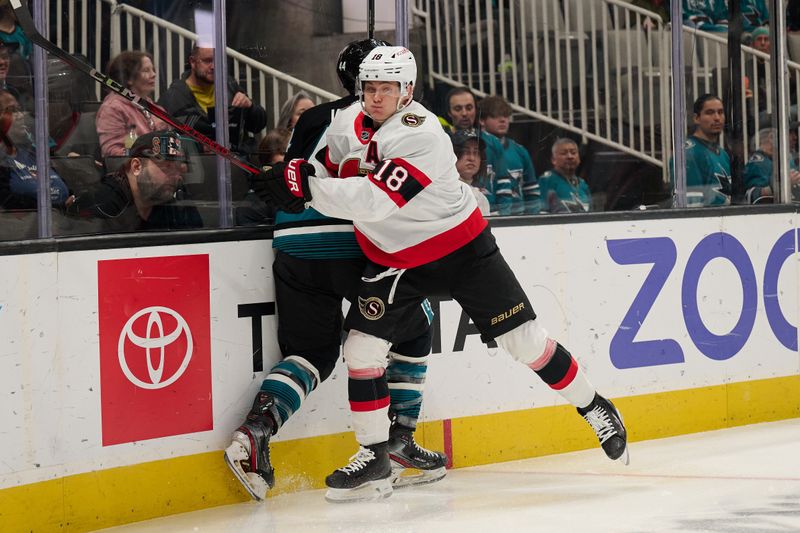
411,120
372,308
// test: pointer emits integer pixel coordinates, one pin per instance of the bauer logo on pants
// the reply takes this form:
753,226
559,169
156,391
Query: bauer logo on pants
155,350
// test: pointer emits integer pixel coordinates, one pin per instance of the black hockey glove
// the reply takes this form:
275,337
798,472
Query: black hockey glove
284,184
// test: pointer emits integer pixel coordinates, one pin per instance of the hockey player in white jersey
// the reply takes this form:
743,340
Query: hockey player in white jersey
318,263
421,229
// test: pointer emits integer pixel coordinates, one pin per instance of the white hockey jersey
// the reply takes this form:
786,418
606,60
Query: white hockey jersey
410,208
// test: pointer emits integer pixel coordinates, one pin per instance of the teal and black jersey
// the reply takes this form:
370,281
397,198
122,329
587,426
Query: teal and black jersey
758,176
706,15
310,234
708,171
560,195
516,193
754,14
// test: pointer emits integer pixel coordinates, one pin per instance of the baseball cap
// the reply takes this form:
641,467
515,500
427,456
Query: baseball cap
461,137
160,145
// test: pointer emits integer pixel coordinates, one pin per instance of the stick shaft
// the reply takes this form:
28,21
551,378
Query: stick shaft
371,18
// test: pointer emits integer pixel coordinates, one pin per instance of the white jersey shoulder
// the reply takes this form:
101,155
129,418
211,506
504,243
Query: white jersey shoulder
415,135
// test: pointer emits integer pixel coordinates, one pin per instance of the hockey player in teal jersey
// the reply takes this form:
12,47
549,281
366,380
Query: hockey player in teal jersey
318,263
708,166
706,15
758,172
562,190
516,191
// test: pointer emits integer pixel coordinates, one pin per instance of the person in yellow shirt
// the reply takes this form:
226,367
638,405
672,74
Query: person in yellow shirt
191,99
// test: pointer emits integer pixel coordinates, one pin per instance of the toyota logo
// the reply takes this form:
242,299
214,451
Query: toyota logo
154,339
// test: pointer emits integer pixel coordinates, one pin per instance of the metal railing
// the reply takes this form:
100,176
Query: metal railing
707,58
593,68
598,68
100,29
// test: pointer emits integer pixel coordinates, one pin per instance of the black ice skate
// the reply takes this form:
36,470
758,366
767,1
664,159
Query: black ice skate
367,477
248,454
411,463
607,425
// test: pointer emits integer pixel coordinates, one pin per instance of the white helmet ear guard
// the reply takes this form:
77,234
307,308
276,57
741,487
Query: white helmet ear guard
389,63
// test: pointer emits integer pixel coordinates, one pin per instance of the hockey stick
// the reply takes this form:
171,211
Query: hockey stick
371,18
20,8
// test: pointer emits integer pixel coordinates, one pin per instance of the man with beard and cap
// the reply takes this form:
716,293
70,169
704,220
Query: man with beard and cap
141,195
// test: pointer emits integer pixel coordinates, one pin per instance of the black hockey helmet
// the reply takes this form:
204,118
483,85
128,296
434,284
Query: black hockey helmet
351,57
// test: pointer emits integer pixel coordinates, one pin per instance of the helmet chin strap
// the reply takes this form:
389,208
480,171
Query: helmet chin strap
401,105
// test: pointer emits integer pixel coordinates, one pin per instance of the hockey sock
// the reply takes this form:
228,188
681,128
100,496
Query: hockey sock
561,372
290,382
406,378
369,402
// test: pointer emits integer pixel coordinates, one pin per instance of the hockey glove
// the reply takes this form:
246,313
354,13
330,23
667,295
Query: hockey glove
284,184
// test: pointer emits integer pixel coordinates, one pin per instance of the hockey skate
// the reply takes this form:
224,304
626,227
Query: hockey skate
248,454
367,477
411,463
607,424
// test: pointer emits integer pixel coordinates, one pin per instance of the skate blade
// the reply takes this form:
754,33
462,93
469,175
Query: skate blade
407,477
625,457
370,491
253,483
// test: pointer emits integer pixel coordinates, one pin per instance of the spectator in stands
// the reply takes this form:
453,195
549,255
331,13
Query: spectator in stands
10,31
6,51
292,108
191,100
470,152
562,190
708,166
757,73
141,194
273,146
118,121
19,184
517,192
758,171
758,84
462,109
706,15
761,39
272,149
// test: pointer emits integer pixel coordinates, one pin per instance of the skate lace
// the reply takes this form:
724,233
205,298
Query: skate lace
359,460
397,272
422,451
601,423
